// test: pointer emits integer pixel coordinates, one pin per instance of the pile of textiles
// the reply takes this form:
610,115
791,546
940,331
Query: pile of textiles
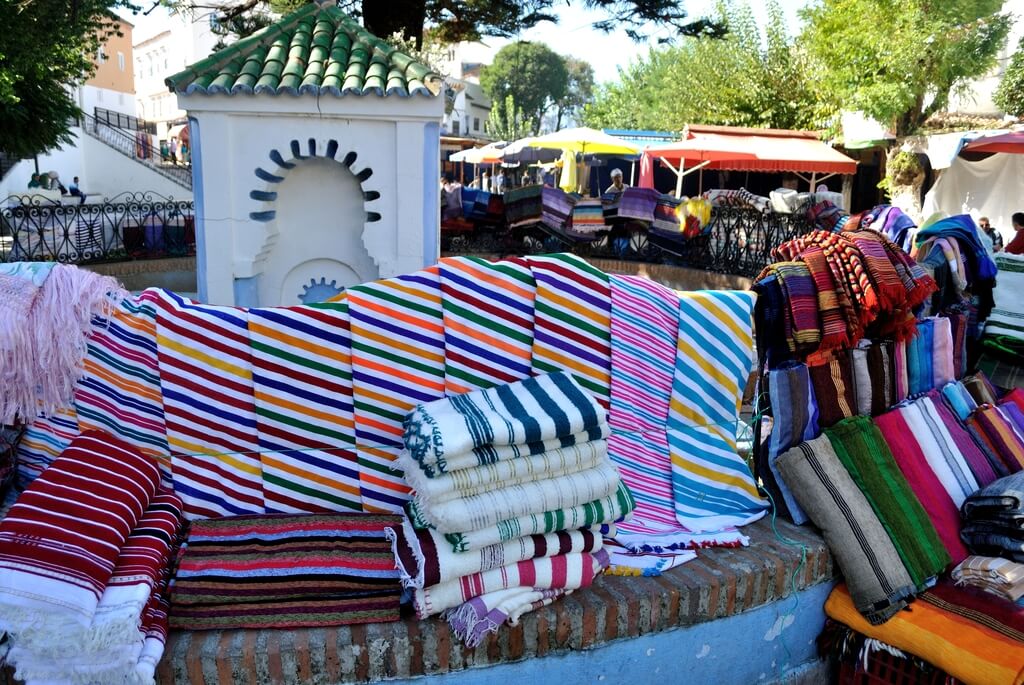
952,251
969,634
509,485
738,198
523,205
666,216
1003,342
1000,429
827,216
287,571
993,519
556,208
588,217
999,576
829,290
45,315
85,557
891,222
638,204
851,487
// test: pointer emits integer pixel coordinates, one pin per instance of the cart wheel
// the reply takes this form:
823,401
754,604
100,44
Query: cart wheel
638,242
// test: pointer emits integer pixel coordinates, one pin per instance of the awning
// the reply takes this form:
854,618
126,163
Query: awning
996,141
755,153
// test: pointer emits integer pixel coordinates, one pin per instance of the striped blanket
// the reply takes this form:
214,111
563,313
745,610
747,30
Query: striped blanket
483,615
59,543
286,571
563,572
302,385
205,361
588,217
1007,317
43,442
528,411
999,576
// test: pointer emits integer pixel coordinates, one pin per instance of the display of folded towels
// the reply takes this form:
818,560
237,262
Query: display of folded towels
85,554
993,519
993,574
512,486
287,571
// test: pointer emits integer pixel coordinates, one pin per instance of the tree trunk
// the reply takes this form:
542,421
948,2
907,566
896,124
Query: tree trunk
906,197
397,16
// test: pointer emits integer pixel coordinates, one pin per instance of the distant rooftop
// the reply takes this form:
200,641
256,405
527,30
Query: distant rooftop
317,50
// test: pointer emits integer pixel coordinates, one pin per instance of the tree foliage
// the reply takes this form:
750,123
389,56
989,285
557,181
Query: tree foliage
507,122
578,93
45,48
743,79
1009,96
899,62
534,75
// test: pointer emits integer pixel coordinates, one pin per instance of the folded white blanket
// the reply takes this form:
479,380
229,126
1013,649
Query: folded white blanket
489,454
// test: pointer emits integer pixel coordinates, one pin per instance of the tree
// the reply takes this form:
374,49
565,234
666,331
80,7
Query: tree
744,79
532,73
506,121
898,62
458,20
579,92
1009,96
46,48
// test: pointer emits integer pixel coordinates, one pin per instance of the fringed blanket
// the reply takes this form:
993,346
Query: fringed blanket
302,384
878,580
529,411
205,360
59,543
563,572
996,575
397,362
488,322
45,315
480,616
427,559
287,571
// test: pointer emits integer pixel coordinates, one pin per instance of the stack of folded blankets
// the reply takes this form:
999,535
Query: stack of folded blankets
287,571
523,205
512,490
1003,342
85,557
999,576
587,217
993,519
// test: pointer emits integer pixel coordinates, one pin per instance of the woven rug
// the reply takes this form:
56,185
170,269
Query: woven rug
572,322
488,322
120,387
397,363
43,441
205,360
302,384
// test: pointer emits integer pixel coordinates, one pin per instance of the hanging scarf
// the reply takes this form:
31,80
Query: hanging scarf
833,306
801,297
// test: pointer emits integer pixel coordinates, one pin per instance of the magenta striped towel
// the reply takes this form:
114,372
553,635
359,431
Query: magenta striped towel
60,542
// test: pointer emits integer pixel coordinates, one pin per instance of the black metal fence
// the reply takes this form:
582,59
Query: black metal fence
109,117
125,227
737,240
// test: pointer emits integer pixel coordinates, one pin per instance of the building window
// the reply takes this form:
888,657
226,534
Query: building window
101,55
476,123
120,60
455,126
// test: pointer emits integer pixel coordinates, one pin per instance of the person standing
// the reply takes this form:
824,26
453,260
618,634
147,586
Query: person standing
1016,245
994,235
452,197
617,185
499,181
173,150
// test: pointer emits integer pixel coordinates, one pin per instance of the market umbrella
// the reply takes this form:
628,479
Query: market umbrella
585,140
488,154
1002,141
520,151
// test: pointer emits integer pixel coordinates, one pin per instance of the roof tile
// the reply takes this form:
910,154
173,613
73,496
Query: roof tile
316,50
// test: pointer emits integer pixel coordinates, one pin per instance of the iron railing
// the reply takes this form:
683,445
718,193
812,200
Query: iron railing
738,240
109,117
139,146
126,227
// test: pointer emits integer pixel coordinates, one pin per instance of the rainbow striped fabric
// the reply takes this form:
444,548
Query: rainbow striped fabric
397,362
572,322
302,384
712,483
205,363
43,442
488,322
120,390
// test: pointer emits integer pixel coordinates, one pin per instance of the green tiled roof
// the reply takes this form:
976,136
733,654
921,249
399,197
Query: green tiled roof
316,50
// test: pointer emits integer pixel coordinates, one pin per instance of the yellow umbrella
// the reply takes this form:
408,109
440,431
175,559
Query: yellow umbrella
588,141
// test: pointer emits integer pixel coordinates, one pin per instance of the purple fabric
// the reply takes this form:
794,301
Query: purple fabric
1015,414
638,203
976,461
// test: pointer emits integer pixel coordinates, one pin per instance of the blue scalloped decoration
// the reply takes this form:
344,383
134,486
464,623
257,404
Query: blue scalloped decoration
319,291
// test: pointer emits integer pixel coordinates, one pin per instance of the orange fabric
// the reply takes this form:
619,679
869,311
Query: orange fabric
962,648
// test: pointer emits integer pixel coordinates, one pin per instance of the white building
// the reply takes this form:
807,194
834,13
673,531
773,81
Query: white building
466,105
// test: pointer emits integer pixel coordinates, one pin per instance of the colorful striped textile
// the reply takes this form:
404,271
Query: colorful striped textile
968,649
397,363
205,360
802,297
712,484
426,559
482,615
835,391
939,449
529,411
563,572
59,543
623,561
43,441
287,571
488,322
572,322
1007,317
794,420
644,334
959,399
999,434
996,575
302,386
588,217
602,511
973,456
120,389
942,352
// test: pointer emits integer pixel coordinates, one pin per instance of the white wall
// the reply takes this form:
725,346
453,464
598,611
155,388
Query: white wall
90,97
103,171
